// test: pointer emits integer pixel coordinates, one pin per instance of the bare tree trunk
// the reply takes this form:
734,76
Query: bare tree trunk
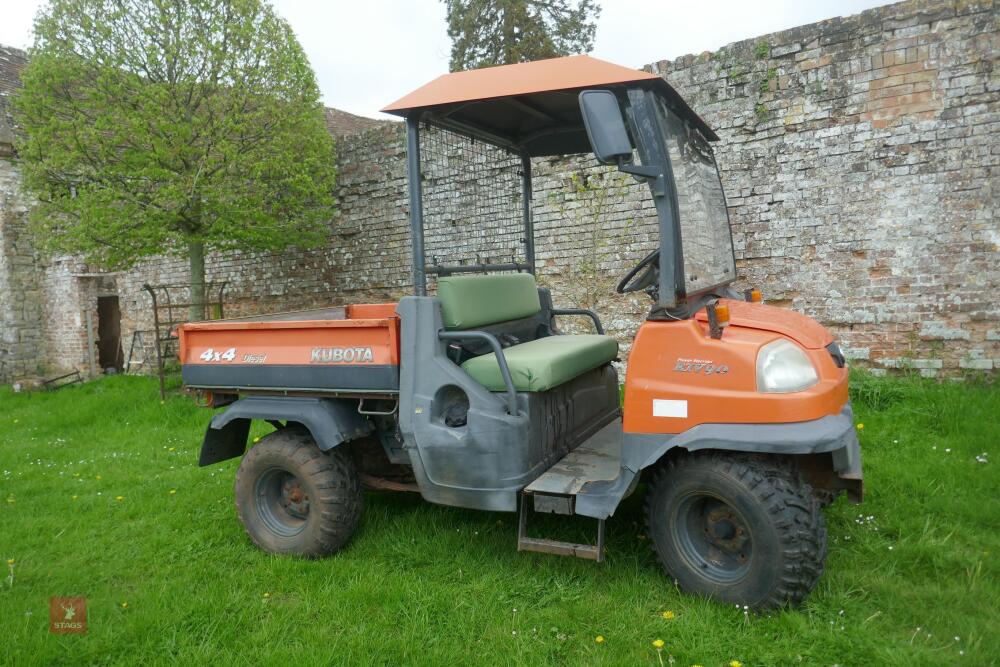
196,258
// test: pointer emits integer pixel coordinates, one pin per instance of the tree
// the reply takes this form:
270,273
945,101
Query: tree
502,32
172,126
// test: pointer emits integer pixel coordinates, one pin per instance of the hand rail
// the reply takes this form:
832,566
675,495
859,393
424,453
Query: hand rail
501,360
580,311
443,270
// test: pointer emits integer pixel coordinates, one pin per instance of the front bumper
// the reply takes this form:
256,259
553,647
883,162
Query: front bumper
847,461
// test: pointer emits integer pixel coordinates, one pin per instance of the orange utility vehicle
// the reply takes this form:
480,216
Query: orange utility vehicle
735,415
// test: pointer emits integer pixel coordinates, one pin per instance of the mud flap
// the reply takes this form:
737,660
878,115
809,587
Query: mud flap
224,443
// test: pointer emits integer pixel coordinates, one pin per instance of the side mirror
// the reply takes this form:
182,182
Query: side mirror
608,137
605,126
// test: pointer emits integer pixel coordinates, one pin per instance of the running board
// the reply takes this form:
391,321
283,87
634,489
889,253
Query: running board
596,460
593,552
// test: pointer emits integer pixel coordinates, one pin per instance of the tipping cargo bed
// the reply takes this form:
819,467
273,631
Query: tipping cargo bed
354,349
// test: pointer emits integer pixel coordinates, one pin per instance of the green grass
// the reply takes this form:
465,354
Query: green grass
912,577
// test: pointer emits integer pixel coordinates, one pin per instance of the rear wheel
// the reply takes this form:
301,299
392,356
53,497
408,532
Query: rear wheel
737,528
293,498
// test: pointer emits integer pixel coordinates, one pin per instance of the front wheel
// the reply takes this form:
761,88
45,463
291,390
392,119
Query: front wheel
737,528
293,498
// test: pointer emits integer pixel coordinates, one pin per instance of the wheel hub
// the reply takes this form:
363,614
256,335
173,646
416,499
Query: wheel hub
282,502
712,537
725,529
294,498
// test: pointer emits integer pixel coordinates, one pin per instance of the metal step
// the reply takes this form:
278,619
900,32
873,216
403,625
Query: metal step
593,552
598,459
540,545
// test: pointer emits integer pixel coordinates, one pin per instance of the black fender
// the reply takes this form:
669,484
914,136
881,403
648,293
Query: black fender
832,434
329,421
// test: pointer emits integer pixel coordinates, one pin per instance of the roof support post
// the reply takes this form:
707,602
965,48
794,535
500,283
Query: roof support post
529,224
651,146
416,204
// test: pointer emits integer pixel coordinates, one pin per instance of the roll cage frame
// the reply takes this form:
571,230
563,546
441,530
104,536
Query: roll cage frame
638,104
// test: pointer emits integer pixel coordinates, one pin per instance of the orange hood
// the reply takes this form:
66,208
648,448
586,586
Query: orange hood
804,330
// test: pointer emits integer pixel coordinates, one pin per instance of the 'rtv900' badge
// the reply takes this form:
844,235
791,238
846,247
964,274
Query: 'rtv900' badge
706,367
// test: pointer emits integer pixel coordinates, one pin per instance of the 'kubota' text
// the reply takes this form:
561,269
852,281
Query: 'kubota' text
342,355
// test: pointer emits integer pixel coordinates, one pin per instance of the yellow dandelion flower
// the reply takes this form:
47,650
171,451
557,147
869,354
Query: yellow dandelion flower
256,440
599,639
737,663
669,615
119,498
124,605
10,562
860,426
173,492
267,595
75,497
658,644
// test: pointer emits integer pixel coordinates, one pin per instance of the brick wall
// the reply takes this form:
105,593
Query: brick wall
859,157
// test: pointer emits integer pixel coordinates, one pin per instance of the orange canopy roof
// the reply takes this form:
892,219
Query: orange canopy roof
532,108
540,76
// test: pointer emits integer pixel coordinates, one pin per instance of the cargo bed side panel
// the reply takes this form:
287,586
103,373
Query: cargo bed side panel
360,355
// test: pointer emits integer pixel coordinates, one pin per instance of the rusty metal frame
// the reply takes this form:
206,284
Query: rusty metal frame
161,337
61,381
594,552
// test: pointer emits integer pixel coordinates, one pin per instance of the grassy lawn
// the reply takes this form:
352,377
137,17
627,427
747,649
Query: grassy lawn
101,496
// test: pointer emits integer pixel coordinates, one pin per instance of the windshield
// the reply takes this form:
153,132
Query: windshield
704,221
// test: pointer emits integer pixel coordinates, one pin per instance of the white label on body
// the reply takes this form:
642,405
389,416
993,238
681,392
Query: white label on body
665,408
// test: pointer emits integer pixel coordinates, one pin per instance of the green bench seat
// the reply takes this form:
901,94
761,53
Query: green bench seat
542,364
471,302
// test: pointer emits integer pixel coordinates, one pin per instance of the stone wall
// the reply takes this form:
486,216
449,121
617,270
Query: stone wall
367,259
21,338
859,157
21,335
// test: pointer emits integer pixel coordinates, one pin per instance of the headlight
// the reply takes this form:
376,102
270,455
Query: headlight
783,367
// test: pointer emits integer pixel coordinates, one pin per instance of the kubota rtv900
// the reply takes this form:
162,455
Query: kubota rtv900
735,414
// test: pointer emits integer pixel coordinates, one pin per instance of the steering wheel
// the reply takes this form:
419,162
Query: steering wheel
648,267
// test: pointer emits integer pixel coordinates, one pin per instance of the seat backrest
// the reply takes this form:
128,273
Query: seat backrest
468,302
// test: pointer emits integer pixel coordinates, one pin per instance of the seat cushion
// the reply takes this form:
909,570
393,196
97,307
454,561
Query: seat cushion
468,302
544,363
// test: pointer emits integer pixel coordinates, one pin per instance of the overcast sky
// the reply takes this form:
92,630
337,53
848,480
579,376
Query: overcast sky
368,53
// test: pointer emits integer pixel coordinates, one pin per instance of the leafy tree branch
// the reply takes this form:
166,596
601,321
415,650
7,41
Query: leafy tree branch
159,126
